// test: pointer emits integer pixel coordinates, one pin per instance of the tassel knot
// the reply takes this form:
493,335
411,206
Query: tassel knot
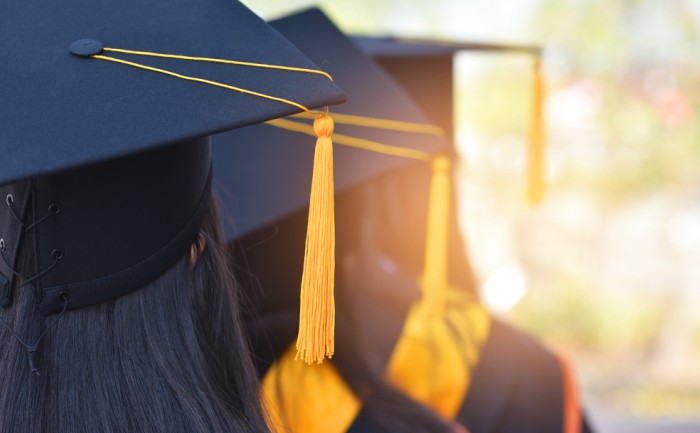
323,126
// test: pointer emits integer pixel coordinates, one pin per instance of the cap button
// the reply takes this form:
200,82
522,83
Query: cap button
86,47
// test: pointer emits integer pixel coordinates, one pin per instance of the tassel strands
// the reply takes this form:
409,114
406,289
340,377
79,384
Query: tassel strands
435,278
317,313
535,156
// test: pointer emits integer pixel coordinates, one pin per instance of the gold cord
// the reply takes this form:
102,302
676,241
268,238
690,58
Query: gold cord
213,60
393,125
210,82
358,143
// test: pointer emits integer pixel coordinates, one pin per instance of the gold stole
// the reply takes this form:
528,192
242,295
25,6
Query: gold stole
432,362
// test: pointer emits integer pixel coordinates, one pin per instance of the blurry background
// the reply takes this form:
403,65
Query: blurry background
608,268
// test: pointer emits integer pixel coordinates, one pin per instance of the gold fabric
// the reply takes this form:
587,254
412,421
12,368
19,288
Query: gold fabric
434,357
303,398
432,362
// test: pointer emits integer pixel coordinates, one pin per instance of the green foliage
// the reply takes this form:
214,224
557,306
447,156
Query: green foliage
570,312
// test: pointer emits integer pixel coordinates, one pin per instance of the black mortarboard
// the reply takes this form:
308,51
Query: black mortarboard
425,69
261,185
104,164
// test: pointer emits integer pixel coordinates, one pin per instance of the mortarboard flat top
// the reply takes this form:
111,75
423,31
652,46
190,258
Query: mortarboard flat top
59,111
411,47
268,176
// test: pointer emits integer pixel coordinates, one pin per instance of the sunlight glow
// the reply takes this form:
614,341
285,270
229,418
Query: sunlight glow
504,288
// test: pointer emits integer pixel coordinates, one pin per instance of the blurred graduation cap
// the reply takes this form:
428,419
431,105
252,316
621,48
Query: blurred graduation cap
251,175
262,185
425,69
103,107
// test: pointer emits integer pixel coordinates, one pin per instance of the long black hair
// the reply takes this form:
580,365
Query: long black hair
170,357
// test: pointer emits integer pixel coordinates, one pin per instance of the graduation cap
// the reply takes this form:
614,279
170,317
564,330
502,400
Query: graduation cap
103,107
412,61
379,129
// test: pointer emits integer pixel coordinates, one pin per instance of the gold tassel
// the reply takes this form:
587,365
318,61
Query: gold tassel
441,338
535,156
317,312
435,277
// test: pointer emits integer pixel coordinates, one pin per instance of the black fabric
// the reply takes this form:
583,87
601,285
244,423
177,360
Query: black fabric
364,424
424,70
59,111
516,387
388,47
433,95
382,297
16,200
269,263
116,225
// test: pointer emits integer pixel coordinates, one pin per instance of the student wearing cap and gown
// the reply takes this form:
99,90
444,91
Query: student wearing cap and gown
518,385
381,226
119,310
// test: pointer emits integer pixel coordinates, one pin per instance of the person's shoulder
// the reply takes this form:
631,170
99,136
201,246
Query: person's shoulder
517,385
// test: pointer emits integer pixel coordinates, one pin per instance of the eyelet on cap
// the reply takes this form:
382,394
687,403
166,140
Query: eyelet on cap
2,244
55,208
57,254
10,200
